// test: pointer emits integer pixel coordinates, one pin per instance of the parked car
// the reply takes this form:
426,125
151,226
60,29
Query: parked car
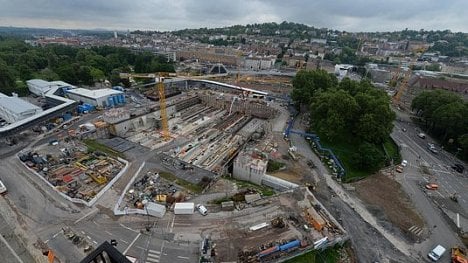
432,186
202,209
3,189
422,135
404,163
436,253
458,167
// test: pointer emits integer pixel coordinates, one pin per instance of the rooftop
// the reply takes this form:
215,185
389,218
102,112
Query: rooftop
39,83
94,94
16,105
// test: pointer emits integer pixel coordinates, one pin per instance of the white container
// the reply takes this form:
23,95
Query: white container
184,208
156,210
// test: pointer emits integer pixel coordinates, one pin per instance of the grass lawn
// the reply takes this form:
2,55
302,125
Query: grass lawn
330,255
344,150
172,178
392,150
93,145
264,190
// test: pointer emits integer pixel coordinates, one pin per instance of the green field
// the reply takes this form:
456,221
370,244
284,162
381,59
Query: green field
93,146
187,185
330,255
344,150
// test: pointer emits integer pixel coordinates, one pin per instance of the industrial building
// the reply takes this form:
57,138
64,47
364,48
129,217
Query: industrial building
40,87
99,98
13,109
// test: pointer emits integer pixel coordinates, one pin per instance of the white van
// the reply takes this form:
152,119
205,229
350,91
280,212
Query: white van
3,189
436,253
202,209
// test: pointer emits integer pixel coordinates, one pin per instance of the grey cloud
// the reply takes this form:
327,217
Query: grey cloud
356,15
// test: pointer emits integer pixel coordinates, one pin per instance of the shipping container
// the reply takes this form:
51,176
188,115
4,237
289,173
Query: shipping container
184,208
290,245
268,251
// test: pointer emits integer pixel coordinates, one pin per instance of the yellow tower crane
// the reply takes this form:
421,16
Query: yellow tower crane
159,88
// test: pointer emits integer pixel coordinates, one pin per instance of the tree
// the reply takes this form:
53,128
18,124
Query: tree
7,79
307,83
368,157
332,113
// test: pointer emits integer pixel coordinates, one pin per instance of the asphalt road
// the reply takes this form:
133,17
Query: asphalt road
368,244
414,150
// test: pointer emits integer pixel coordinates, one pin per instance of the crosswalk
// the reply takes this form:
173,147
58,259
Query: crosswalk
417,231
153,256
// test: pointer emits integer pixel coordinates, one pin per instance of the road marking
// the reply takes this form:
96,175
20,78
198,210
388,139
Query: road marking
95,242
172,224
89,237
152,256
183,257
11,249
126,242
152,260
154,252
128,228
85,216
109,233
82,232
131,244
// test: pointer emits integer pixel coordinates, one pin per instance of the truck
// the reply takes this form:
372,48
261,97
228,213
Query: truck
184,208
436,253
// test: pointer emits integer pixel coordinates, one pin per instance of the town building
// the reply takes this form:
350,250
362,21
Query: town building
99,98
40,87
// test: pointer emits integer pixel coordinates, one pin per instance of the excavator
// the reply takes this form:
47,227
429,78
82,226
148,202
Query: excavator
459,255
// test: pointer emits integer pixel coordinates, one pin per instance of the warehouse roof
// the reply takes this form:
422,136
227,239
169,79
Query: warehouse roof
16,105
39,83
94,94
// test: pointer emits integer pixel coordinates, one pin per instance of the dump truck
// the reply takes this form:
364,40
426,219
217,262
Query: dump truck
459,255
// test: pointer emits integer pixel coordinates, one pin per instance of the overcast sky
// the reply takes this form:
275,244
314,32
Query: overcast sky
349,15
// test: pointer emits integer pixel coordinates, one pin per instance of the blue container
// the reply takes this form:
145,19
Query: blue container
290,245
110,102
123,99
119,100
115,100
67,116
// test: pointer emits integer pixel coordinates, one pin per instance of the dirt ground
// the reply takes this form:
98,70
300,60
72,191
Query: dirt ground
385,199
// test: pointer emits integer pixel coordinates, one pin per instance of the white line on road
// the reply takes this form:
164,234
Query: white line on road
109,233
131,244
152,260
11,249
95,242
123,241
89,237
154,251
85,216
183,257
128,228
172,224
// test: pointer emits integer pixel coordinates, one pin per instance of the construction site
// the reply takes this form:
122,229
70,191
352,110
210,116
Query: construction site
297,220
201,126
73,169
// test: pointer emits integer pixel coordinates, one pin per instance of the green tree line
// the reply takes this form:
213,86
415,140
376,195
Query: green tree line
79,66
350,111
445,116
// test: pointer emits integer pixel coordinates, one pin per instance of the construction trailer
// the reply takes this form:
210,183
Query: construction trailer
184,208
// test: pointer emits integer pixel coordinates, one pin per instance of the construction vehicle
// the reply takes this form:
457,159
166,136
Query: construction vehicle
459,255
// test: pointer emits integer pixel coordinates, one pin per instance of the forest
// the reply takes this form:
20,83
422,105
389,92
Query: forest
444,115
20,62
353,118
